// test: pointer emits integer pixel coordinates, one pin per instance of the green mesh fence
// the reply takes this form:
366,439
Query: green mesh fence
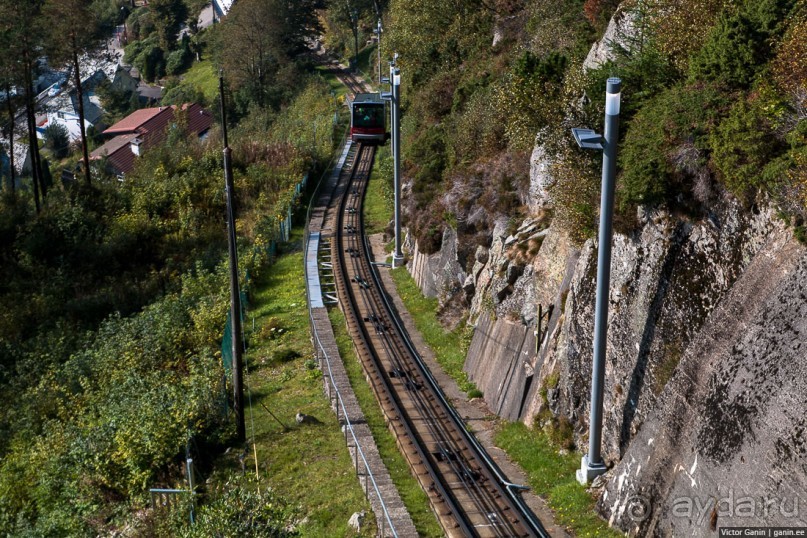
282,235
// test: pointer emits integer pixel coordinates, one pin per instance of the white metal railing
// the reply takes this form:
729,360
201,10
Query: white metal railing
386,520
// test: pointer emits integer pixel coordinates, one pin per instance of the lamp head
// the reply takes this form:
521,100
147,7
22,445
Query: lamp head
588,139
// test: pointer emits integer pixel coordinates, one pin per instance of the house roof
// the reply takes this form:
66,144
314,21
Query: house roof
21,164
151,126
133,121
112,146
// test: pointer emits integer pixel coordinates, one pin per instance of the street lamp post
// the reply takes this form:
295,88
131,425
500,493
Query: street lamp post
378,43
592,464
395,80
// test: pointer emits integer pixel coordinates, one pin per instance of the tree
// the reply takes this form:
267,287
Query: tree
57,139
254,31
168,16
20,24
72,34
8,82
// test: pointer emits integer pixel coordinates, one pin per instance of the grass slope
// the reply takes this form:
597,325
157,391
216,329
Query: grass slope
552,476
450,347
308,463
202,76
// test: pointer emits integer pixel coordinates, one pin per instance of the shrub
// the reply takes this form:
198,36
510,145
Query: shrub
57,139
790,65
531,97
740,43
680,27
733,54
741,145
178,60
242,510
575,194
681,117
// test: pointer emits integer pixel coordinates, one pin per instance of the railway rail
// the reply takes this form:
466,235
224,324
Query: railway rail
467,491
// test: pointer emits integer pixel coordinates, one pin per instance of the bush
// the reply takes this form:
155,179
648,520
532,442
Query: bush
575,194
741,145
57,139
531,97
732,55
179,60
243,511
147,57
740,43
678,121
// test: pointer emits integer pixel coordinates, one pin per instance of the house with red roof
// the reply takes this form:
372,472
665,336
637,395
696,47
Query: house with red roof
147,128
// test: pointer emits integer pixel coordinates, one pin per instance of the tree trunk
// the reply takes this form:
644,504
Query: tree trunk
32,143
36,157
11,119
80,96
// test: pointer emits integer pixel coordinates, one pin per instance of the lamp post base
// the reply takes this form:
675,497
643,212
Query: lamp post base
589,471
398,261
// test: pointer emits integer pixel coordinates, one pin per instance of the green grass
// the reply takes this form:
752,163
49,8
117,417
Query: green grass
378,203
413,496
552,476
338,89
368,65
450,347
305,463
202,76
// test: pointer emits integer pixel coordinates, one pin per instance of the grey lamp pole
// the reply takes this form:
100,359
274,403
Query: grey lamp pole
395,79
592,464
379,30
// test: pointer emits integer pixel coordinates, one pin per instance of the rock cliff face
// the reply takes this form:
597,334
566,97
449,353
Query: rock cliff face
705,376
704,412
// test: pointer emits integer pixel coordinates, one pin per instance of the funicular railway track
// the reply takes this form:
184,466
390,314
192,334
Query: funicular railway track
466,490
469,494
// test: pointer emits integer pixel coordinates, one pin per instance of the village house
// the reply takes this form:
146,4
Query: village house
147,128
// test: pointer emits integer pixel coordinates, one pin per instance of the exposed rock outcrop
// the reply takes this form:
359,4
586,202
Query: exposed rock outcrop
725,444
704,412
620,34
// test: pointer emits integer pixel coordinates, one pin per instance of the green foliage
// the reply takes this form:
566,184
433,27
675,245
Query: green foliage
113,414
428,153
741,146
243,510
549,69
100,415
148,57
179,60
575,193
740,43
531,97
168,16
666,144
733,54
678,28
117,102
57,140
